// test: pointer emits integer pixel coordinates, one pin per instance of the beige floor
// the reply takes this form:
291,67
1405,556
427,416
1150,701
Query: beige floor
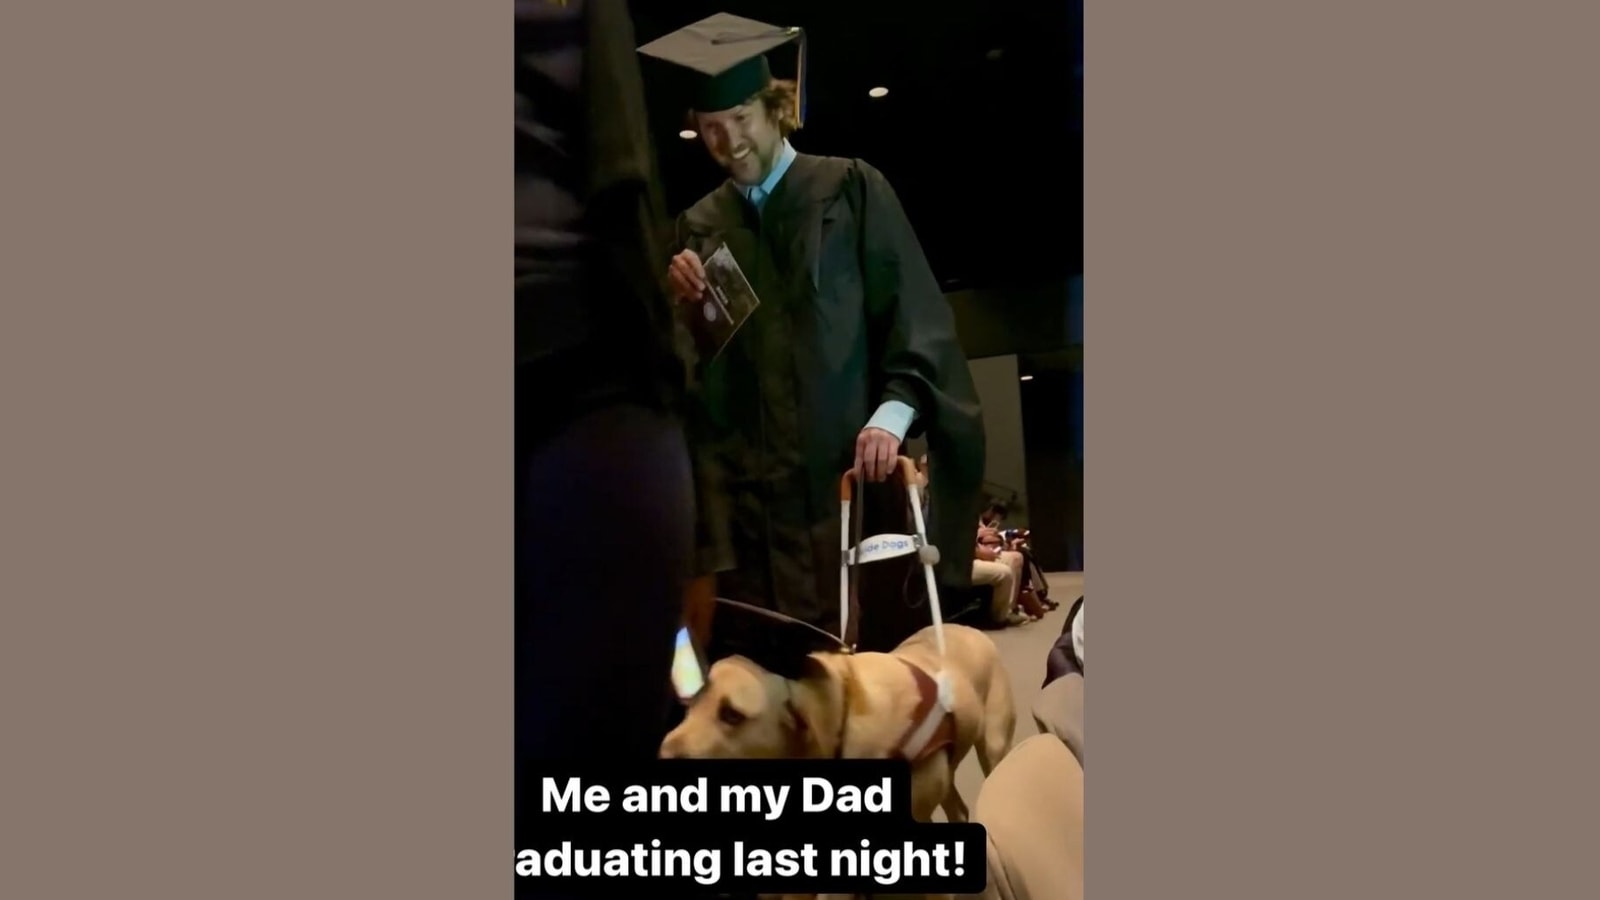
1024,649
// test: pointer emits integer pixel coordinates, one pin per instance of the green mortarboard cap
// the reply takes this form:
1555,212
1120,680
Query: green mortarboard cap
724,57
772,640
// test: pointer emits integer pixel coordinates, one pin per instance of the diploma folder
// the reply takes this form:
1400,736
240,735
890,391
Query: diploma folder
728,301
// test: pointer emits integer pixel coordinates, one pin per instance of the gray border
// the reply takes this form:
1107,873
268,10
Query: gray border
257,451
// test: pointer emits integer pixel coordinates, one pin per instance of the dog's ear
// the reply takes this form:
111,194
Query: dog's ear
737,660
816,705
819,667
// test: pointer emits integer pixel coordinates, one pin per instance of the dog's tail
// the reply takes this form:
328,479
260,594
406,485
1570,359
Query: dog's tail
999,719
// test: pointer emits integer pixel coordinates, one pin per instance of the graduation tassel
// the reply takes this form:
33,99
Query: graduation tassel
800,82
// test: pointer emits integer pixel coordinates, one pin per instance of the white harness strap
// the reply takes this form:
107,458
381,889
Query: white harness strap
917,741
932,727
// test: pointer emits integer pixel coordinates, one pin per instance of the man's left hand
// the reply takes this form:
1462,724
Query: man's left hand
877,451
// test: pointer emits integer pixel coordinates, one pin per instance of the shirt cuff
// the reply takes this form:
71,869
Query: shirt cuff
894,417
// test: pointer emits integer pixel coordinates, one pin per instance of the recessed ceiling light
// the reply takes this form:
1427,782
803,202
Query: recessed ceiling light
878,92
687,134
1027,378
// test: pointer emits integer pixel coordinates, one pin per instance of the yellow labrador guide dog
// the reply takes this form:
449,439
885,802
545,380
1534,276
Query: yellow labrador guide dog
941,693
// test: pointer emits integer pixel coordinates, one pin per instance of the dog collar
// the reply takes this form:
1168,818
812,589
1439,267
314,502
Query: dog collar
800,727
844,712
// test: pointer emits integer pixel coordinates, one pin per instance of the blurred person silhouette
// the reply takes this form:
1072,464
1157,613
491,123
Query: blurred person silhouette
600,447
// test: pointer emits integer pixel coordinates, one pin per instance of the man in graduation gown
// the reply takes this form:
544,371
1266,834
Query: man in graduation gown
851,351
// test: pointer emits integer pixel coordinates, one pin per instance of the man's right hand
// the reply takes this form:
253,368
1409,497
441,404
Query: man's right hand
686,276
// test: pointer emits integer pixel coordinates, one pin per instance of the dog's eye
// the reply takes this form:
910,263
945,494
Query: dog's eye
729,715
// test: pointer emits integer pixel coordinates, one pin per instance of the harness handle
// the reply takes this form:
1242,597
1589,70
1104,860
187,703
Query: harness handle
888,546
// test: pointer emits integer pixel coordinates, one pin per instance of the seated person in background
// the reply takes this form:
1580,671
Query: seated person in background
1023,605
1033,581
988,569
990,564
993,515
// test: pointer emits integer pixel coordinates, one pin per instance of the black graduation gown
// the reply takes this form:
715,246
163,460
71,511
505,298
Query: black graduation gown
851,316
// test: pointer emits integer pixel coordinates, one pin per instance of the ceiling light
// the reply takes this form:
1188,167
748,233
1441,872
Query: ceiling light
1027,378
687,134
878,92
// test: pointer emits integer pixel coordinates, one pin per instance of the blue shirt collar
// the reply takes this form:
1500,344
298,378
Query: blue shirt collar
786,155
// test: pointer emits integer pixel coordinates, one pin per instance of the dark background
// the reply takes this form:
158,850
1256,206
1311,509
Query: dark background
981,137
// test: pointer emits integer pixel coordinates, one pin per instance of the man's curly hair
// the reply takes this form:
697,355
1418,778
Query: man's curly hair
780,100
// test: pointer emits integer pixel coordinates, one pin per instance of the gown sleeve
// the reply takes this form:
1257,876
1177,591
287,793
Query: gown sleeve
919,361
912,325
